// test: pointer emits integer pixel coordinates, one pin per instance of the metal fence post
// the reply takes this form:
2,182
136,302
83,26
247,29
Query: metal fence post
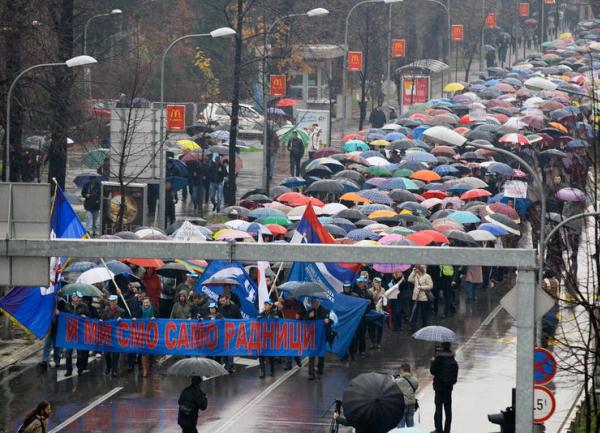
525,346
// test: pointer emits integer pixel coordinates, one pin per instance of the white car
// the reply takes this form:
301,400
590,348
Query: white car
250,121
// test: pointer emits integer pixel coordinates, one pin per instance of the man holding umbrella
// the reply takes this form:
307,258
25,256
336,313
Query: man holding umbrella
444,369
91,204
318,312
296,148
78,308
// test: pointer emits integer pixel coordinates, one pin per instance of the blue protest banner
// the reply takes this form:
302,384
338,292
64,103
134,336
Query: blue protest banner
229,337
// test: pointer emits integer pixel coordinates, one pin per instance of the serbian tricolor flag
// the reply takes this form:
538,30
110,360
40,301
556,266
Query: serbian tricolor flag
331,275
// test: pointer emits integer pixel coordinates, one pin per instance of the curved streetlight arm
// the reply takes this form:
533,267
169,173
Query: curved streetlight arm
567,221
85,29
8,99
348,19
538,181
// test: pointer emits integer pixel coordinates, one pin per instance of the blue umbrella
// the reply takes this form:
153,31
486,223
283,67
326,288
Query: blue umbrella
395,136
293,182
376,196
354,145
421,157
325,219
348,186
434,185
370,153
490,83
278,111
500,168
561,114
179,168
177,182
220,135
464,217
459,188
400,183
419,131
344,223
263,212
412,165
577,144
370,208
362,234
118,268
376,136
84,178
445,169
438,334
493,229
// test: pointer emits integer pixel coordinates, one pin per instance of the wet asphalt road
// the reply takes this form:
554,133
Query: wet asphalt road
286,402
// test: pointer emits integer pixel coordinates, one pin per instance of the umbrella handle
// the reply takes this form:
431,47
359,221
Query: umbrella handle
115,283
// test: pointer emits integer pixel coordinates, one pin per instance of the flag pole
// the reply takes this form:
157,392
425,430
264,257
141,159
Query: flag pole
274,285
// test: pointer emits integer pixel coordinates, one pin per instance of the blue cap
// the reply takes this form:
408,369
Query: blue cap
78,294
212,305
361,279
113,298
268,301
192,274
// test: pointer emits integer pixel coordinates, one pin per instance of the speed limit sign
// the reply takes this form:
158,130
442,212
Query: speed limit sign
544,404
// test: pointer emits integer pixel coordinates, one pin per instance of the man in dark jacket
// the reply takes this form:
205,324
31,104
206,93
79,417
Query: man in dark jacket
91,204
296,148
377,118
78,308
229,311
217,172
191,400
444,369
268,312
318,312
112,312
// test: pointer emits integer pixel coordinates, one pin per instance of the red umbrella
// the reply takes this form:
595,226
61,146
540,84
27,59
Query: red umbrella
504,209
434,193
514,139
276,229
421,238
461,130
466,120
349,137
328,151
475,194
146,263
286,102
438,237
443,150
292,196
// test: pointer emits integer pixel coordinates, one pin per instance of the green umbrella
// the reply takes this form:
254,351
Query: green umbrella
378,171
84,289
285,133
275,219
94,158
403,172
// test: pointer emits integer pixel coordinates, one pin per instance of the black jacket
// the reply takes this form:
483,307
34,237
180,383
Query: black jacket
444,369
216,172
199,311
191,400
91,194
296,146
377,119
230,311
271,314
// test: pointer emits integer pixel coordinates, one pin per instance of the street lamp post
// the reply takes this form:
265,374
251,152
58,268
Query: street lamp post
160,209
71,63
87,73
344,71
316,12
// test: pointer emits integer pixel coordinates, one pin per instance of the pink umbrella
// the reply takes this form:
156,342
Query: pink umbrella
385,240
514,139
570,194
431,202
390,268
233,234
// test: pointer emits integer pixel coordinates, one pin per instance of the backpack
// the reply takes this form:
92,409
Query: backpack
447,270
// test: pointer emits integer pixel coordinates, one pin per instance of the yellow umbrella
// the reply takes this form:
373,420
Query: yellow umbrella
565,35
453,87
188,145
368,243
221,232
381,143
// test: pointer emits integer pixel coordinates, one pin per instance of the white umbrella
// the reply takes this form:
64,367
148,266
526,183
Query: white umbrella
445,135
237,224
391,127
482,235
333,208
296,213
151,233
378,161
188,232
95,275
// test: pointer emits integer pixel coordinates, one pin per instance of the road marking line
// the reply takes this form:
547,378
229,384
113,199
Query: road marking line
260,397
86,409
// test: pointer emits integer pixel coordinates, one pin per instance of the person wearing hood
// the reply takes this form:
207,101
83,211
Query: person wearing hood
444,369
181,309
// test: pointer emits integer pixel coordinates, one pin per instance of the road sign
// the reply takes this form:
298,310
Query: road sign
176,118
398,47
277,85
543,303
355,61
544,365
544,404
458,33
388,87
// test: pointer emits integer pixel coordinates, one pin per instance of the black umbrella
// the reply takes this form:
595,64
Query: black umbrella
326,186
503,221
254,191
350,174
171,270
335,231
459,236
401,195
128,235
443,213
364,223
421,225
259,198
197,367
350,214
242,211
301,288
477,134
373,403
319,171
279,190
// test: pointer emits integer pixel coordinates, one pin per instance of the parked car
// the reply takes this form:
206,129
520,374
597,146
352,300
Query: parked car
99,109
219,115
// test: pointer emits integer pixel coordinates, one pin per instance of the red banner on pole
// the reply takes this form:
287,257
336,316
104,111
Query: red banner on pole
524,10
458,33
490,20
398,47
355,60
176,117
277,85
415,89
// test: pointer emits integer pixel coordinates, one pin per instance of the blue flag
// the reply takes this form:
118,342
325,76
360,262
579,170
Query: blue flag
30,307
246,290
348,309
64,222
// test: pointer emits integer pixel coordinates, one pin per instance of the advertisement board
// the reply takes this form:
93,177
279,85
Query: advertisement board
415,89
176,118
135,207
398,47
277,85
306,119
355,61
